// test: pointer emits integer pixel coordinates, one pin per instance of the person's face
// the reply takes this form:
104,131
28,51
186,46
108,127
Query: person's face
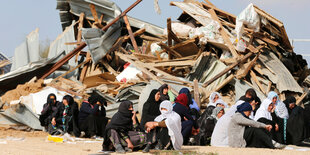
163,109
248,95
220,105
65,102
253,104
292,105
221,113
165,91
157,96
216,97
130,108
247,113
53,99
274,100
270,107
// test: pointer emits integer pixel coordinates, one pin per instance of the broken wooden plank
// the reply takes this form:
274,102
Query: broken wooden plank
174,63
135,34
224,34
253,75
228,69
298,102
196,93
248,68
132,38
269,87
109,68
84,70
150,38
173,52
79,36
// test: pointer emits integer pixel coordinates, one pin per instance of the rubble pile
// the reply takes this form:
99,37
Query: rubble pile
206,49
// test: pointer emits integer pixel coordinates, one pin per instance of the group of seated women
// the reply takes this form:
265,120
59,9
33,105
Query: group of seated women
168,121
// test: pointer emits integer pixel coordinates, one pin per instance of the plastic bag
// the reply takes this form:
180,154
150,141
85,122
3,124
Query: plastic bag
248,17
208,32
180,29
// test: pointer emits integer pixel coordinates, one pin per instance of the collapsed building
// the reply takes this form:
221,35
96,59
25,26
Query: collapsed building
104,51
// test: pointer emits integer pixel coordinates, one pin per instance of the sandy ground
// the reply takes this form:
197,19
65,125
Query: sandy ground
35,143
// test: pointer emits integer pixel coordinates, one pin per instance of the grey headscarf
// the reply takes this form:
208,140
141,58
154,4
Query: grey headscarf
215,112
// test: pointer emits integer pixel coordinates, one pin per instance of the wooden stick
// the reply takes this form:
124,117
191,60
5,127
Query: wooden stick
175,53
109,68
137,33
269,87
94,12
171,34
132,38
79,36
298,102
196,92
249,67
84,70
253,75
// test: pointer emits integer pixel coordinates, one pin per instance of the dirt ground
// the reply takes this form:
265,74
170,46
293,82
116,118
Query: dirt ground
35,143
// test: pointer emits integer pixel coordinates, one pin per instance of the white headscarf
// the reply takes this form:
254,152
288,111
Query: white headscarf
262,111
281,110
211,98
220,101
173,122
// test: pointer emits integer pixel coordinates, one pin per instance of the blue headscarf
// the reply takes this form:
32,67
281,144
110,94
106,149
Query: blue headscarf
245,106
271,95
188,94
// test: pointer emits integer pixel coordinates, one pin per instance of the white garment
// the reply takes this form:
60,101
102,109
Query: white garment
220,133
220,101
173,123
281,110
211,98
262,111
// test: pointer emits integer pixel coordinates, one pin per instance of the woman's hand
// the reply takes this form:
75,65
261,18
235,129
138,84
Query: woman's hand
268,127
53,121
134,117
129,143
277,127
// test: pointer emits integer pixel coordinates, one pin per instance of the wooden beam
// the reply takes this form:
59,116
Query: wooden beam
175,53
84,70
149,38
196,92
168,34
298,102
79,36
224,34
269,87
109,68
135,34
174,63
62,61
248,68
132,38
228,69
253,75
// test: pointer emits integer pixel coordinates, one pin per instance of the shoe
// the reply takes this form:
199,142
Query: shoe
147,148
158,146
306,141
119,148
82,135
278,145
128,149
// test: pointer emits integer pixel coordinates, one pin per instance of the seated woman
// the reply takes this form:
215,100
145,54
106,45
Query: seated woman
211,105
123,133
221,103
263,115
92,116
48,114
296,123
164,92
151,107
67,116
166,130
244,132
208,125
191,102
181,107
279,116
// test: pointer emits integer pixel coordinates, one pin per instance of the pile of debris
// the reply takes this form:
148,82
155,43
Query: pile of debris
206,50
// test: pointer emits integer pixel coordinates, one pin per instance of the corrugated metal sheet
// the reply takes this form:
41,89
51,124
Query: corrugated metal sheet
28,51
6,68
241,87
280,76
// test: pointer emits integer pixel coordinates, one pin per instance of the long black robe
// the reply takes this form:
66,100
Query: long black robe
150,109
49,110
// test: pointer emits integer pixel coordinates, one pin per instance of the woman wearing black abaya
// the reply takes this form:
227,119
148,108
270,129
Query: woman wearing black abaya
123,133
49,112
296,126
151,107
164,92
67,116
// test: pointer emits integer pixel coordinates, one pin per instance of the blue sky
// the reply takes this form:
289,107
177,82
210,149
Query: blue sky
19,18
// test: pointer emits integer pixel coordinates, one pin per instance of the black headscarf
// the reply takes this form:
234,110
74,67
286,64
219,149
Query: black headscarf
150,108
94,98
161,90
122,120
51,101
289,100
188,94
69,99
